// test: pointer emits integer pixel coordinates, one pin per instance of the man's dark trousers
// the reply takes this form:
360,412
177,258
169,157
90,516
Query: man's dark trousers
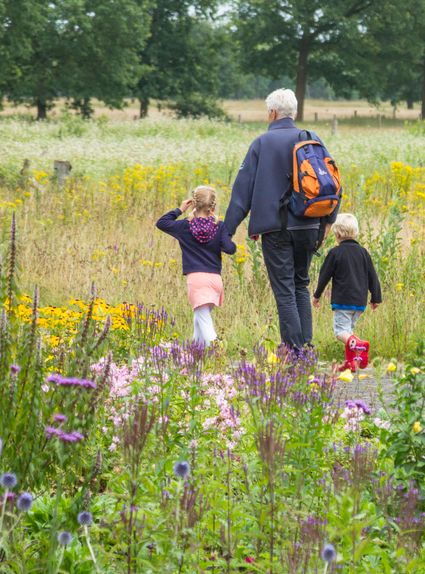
287,255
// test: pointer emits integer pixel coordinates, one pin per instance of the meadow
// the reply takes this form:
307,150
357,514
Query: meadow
124,447
100,226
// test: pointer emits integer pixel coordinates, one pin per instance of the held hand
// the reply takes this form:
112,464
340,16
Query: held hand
186,204
316,302
374,306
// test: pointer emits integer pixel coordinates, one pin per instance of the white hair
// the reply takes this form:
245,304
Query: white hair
283,102
346,226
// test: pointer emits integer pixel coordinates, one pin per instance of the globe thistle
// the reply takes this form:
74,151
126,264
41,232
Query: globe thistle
64,538
85,518
24,502
181,469
8,480
329,553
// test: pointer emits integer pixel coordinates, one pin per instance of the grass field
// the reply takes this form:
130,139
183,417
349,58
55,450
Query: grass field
100,227
125,449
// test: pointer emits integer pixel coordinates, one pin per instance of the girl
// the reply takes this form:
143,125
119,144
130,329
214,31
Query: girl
202,238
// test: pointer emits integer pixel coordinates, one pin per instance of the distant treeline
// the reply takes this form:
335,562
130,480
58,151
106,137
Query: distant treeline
190,53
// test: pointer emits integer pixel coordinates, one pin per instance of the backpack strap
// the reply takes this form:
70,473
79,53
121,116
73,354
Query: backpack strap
307,136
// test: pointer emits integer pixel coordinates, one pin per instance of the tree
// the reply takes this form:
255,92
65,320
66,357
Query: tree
296,37
180,55
72,48
103,40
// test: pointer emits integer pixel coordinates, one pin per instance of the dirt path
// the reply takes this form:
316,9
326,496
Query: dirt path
373,391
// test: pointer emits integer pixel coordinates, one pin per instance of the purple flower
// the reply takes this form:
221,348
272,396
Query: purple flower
14,369
72,436
51,431
329,553
24,502
64,538
8,480
60,418
181,469
85,518
358,404
70,381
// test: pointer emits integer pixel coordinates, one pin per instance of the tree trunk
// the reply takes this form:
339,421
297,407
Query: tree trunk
41,109
144,106
423,91
301,84
86,109
409,103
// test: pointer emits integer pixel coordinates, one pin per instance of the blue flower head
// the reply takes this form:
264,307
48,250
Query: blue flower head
64,538
24,502
85,518
8,480
181,469
329,553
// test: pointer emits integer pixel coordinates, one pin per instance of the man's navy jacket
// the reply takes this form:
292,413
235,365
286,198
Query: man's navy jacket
264,178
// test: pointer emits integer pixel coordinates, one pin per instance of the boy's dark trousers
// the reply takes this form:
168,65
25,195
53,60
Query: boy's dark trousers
287,255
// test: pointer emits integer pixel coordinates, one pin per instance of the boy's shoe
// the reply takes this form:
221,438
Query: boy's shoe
357,352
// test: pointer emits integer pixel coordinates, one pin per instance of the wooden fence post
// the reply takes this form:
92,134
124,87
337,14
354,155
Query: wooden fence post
334,125
62,170
316,117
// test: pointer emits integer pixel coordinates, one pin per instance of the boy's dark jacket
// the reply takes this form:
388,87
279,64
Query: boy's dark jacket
350,267
197,256
264,178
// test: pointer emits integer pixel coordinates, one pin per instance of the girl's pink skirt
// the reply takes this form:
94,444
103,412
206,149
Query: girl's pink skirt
205,288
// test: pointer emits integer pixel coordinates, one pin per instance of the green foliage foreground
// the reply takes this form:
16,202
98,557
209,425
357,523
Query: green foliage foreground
129,451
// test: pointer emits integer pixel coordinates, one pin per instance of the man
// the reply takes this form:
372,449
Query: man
263,183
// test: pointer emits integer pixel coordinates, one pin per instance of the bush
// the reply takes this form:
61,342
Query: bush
197,106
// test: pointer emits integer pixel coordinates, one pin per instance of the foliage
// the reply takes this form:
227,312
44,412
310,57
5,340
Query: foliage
63,42
298,37
138,452
405,441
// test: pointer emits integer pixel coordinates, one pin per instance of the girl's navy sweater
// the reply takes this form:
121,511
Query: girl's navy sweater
197,256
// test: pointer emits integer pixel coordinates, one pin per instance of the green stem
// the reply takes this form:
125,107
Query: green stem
3,510
326,568
89,546
60,560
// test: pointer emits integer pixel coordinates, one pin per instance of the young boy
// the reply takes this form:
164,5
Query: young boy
350,267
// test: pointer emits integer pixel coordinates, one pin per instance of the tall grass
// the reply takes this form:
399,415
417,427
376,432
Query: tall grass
100,227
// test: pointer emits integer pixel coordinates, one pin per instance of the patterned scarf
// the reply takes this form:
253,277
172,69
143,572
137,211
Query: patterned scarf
203,229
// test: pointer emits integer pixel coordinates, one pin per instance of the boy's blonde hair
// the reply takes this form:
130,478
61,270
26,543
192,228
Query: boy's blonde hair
204,199
346,226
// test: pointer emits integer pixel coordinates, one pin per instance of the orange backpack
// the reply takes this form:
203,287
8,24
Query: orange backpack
317,187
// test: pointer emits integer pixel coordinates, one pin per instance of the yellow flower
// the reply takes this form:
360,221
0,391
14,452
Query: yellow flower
272,359
399,286
363,376
346,376
417,427
391,367
415,371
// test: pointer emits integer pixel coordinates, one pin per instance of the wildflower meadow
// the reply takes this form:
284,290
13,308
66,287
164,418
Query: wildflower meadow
127,448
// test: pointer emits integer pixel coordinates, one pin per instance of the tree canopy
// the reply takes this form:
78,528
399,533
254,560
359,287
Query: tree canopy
191,52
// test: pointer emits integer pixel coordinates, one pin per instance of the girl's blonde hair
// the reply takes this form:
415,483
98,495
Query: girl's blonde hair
204,200
346,226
